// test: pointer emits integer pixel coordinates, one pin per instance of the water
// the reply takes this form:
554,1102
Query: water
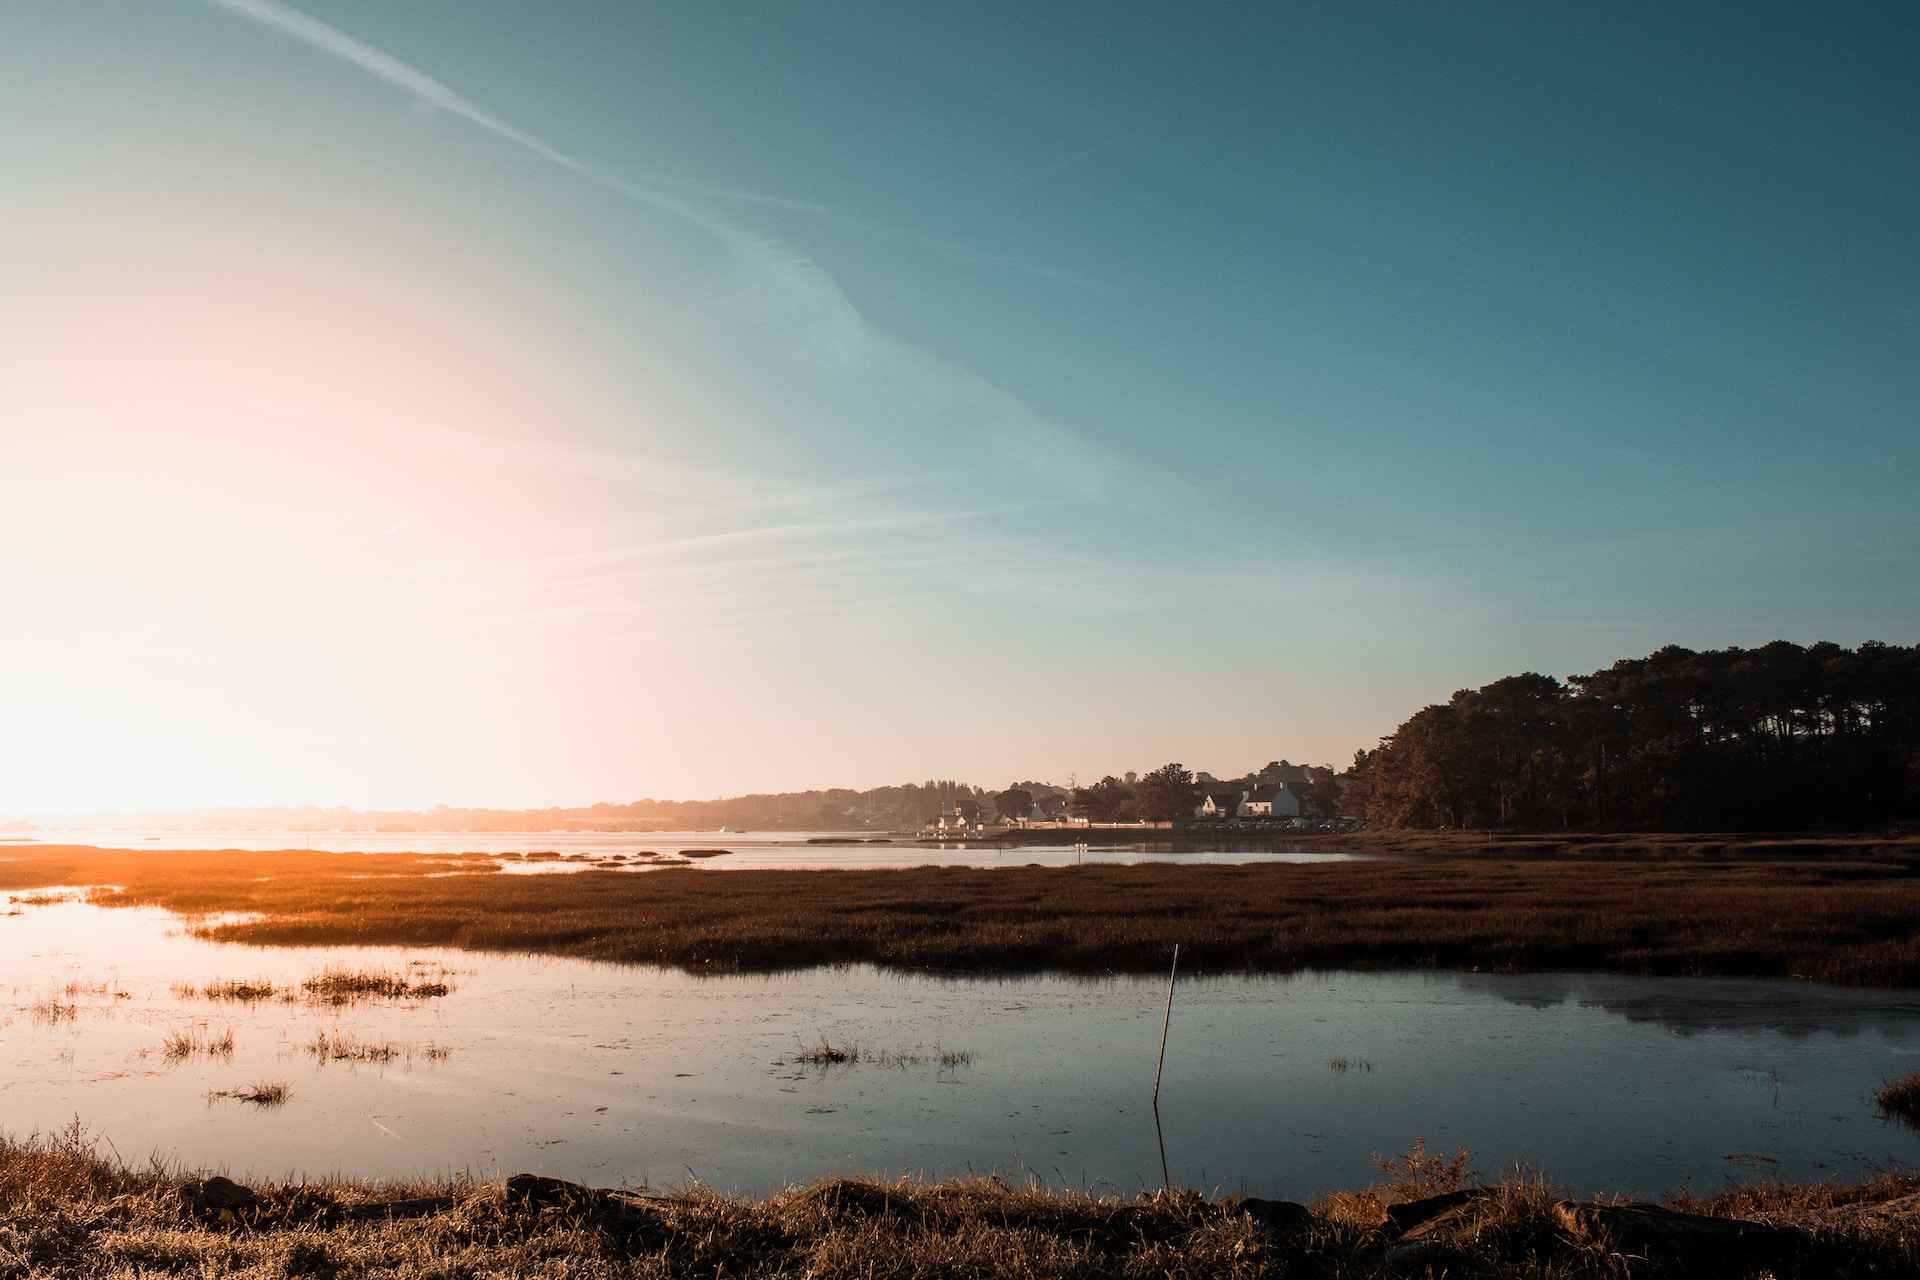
643,1075
757,850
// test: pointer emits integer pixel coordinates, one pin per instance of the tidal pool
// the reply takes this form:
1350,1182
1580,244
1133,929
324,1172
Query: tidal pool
1274,1086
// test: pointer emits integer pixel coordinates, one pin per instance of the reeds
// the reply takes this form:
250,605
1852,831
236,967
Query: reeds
237,990
336,1045
52,1010
1901,1098
178,1046
41,899
272,1093
827,1054
345,986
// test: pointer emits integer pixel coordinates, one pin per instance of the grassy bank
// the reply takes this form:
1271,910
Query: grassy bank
64,1211
1848,916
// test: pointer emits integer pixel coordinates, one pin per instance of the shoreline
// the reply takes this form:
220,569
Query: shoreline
66,1210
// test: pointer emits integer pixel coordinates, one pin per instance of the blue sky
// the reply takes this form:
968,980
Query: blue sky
594,401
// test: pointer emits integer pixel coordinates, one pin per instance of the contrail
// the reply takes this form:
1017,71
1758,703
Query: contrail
796,274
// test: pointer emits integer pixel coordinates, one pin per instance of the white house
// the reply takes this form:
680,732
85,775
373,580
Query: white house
1218,802
1241,802
1269,802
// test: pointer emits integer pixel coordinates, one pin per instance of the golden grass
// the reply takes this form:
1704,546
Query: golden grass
1835,911
66,1212
344,986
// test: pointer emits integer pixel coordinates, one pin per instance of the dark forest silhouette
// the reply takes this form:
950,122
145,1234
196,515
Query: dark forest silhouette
1775,738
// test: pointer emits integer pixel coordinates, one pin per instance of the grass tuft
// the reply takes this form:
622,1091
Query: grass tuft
51,1009
344,986
271,1093
238,990
178,1046
1901,1098
826,1054
335,1045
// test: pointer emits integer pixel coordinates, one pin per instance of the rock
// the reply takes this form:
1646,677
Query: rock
217,1199
220,1193
1648,1229
1282,1217
1420,1218
607,1209
539,1192
860,1199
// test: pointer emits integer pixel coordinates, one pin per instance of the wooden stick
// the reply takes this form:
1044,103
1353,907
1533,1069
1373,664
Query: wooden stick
1166,1179
1167,1023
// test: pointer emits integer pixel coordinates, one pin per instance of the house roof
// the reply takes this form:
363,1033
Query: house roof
1265,793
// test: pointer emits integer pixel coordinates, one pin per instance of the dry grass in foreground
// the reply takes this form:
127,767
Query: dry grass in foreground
65,1212
1844,914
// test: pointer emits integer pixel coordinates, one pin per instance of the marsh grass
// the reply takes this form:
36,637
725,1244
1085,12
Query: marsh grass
271,1093
1901,1098
344,1046
345,986
178,1046
41,899
1834,910
827,1054
52,1010
236,990
336,1045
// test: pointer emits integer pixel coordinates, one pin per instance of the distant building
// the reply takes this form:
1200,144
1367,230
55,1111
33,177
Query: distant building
952,822
1218,802
1241,801
1269,802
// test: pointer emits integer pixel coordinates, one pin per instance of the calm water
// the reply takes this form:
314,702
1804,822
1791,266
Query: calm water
644,1075
754,850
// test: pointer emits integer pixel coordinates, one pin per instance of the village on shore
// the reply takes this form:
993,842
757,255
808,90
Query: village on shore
1279,797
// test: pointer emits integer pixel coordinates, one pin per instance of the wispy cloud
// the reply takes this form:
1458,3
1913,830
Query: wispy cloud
1037,465
789,276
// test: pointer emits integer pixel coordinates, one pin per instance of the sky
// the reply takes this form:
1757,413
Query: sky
526,403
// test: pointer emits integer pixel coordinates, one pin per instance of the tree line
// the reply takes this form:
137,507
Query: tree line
1776,738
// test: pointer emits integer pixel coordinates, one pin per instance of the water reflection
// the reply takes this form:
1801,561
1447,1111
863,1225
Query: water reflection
638,1074
1690,1005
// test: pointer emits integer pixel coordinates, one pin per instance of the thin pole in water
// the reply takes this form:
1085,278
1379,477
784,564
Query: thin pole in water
1165,1025
1166,1181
